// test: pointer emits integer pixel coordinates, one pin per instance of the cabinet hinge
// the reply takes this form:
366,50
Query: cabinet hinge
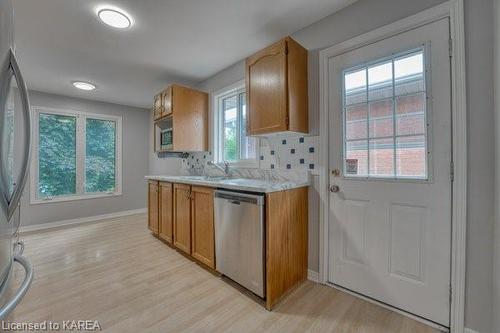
450,47
452,171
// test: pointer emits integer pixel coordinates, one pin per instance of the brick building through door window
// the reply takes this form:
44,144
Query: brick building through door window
385,118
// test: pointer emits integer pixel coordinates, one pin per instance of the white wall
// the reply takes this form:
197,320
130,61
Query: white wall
134,164
496,242
366,15
480,207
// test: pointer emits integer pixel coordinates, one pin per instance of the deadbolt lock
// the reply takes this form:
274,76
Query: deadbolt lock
336,172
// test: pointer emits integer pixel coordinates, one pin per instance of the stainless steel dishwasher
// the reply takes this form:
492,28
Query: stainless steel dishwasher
239,238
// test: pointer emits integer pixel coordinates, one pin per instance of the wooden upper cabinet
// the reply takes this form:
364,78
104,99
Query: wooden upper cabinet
202,225
153,206
167,101
182,217
185,111
165,212
276,87
157,107
189,119
266,90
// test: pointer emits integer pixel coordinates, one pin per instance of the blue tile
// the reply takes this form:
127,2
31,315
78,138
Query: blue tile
292,151
301,140
311,166
272,152
261,158
288,166
311,149
283,142
272,166
301,161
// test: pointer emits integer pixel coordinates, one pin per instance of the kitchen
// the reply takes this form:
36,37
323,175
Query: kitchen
248,166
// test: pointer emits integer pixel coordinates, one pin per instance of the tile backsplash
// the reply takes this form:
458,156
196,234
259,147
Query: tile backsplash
290,152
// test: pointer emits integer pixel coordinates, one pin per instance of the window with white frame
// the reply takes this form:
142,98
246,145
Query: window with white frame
231,141
385,118
77,155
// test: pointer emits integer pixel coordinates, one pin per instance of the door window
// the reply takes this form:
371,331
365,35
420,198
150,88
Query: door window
385,118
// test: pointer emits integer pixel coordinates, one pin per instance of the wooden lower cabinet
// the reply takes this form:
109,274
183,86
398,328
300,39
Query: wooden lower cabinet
182,217
165,212
286,242
153,206
202,225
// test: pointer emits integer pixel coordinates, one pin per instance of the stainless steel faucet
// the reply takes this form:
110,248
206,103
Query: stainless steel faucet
224,168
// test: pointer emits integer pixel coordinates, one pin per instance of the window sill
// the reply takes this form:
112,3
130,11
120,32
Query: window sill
74,198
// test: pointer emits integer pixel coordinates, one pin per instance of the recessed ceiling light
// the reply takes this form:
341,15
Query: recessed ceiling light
83,85
114,17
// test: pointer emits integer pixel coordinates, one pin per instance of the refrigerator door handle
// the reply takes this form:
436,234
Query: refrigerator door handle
13,202
28,278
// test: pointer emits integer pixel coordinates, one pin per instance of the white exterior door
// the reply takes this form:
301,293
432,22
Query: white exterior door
390,162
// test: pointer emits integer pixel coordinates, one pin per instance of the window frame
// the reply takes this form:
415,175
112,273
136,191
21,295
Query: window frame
425,49
80,194
218,125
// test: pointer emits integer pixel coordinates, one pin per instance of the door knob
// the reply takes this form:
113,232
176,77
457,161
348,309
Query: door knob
334,188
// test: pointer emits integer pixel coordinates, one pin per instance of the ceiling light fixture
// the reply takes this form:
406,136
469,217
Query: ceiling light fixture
114,17
83,85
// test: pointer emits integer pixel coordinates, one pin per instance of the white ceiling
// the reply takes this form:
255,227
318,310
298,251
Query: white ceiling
182,41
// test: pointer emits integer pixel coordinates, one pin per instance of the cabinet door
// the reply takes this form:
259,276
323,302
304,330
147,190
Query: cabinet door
182,217
202,225
167,101
266,87
157,106
190,119
166,212
153,206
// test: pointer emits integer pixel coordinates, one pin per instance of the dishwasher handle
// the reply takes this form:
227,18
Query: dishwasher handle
238,197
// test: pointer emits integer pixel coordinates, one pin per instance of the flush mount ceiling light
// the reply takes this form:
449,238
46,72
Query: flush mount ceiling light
83,85
114,17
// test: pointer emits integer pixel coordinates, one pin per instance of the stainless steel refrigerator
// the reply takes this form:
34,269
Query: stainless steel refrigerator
15,143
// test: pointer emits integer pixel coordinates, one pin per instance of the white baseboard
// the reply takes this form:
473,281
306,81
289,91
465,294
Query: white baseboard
313,276
51,225
468,330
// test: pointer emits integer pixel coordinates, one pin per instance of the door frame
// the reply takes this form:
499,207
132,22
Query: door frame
452,9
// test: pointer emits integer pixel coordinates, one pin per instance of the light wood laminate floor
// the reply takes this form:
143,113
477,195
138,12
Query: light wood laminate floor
116,272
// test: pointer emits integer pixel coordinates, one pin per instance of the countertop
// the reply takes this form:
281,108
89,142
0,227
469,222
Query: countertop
239,184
